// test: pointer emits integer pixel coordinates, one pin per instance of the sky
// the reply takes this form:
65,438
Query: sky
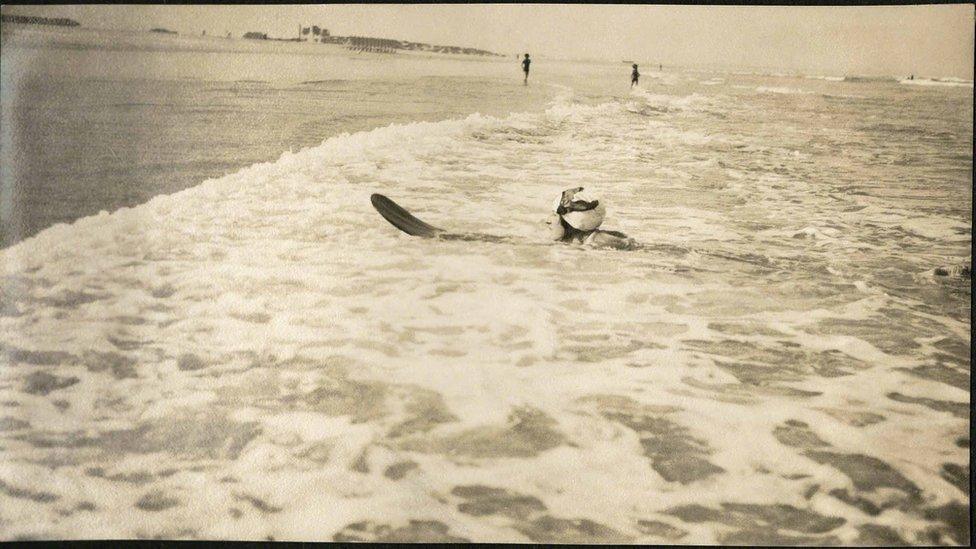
935,40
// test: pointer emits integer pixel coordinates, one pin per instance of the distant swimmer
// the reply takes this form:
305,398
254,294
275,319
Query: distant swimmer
634,76
660,68
576,217
525,68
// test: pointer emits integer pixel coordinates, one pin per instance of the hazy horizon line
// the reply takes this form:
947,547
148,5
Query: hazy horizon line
757,69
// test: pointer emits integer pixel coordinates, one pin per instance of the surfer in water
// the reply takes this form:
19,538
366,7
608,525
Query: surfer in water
525,68
576,217
634,76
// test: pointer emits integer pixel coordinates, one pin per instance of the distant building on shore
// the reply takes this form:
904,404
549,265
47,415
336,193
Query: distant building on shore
31,20
264,36
367,43
385,45
314,30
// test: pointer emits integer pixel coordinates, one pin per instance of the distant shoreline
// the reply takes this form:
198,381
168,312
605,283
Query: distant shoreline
18,35
85,38
34,20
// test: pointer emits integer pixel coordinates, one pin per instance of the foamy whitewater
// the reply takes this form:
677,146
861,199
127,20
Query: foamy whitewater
262,356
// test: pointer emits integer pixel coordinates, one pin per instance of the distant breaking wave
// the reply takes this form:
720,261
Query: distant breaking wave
321,82
953,79
951,82
870,79
779,89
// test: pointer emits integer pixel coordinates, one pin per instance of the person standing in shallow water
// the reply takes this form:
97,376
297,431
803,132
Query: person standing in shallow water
525,68
634,76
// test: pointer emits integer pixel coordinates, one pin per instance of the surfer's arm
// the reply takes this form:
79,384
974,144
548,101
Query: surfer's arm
476,237
610,239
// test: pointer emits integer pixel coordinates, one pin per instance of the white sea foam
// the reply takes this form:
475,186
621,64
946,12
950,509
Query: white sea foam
263,346
948,82
780,90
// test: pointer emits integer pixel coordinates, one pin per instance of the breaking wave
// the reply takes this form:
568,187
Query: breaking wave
773,367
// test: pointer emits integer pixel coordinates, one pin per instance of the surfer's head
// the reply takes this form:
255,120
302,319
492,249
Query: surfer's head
580,210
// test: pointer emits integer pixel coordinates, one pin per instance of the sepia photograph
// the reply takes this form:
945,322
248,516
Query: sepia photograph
488,273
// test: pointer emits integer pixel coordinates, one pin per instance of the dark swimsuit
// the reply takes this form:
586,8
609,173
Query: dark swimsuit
572,234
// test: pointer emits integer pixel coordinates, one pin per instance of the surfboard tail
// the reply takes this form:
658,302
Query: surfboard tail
401,218
408,223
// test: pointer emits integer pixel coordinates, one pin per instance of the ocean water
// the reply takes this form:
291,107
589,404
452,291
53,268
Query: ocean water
261,356
90,129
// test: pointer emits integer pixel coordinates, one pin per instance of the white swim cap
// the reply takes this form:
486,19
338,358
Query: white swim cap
581,210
